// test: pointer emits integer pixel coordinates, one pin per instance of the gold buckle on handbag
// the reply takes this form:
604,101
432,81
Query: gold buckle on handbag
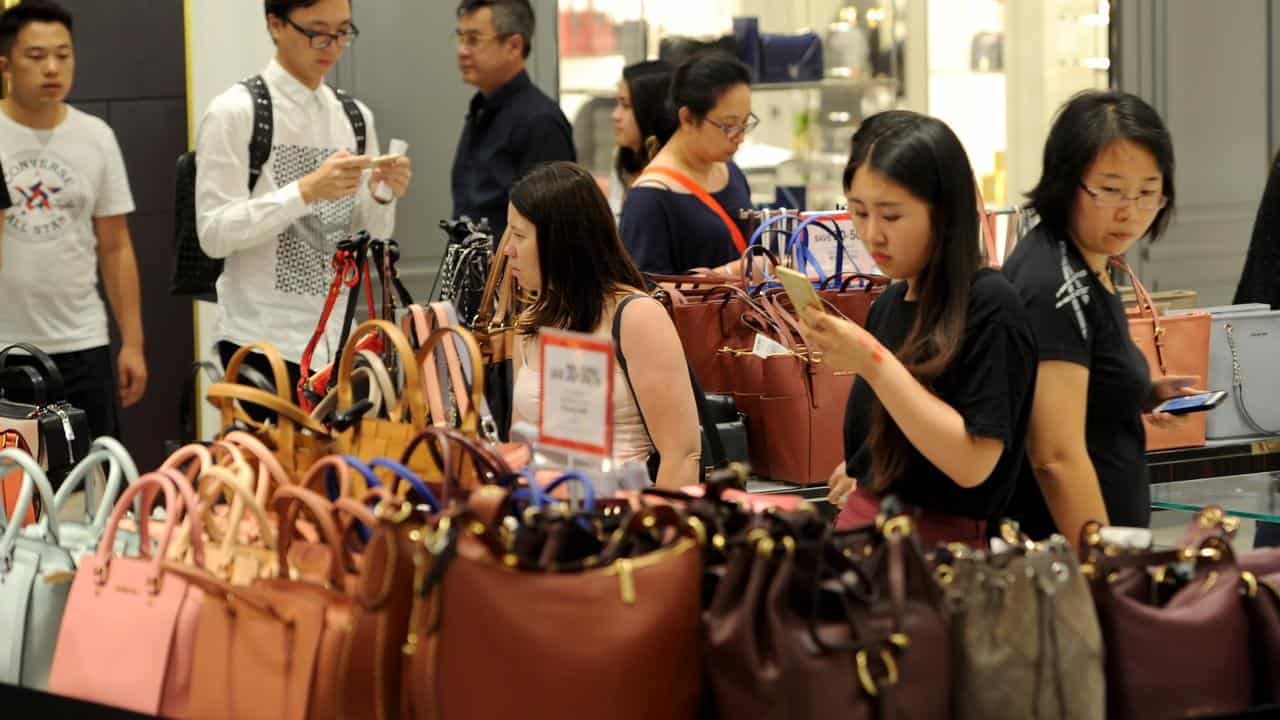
864,672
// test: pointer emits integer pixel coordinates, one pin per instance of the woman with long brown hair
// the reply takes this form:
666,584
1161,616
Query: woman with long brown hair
947,361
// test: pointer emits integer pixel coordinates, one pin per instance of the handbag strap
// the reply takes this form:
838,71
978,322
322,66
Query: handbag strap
34,481
987,227
121,470
289,503
55,387
468,421
1146,310
715,445
412,388
1237,383
697,191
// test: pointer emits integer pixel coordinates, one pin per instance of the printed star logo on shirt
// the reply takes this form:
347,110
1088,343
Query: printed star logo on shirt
45,187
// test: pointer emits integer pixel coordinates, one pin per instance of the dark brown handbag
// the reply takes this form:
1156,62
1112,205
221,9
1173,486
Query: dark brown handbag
619,635
807,624
1173,345
1175,626
1025,633
853,302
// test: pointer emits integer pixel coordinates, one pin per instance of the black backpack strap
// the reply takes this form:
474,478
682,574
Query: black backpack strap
715,446
263,127
352,109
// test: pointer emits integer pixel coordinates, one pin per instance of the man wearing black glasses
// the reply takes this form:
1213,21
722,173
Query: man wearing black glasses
511,125
278,228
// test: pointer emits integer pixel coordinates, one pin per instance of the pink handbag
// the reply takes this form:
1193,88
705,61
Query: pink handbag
128,635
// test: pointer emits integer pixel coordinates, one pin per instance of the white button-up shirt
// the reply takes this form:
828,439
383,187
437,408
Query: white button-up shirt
278,249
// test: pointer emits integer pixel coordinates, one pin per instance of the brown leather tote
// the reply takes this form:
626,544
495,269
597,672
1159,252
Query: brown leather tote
618,637
853,302
1026,637
275,649
1173,345
1175,626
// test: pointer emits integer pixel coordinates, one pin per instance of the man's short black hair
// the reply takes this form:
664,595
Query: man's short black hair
510,17
282,8
13,20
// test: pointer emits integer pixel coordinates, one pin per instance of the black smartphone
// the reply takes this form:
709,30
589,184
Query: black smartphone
1200,402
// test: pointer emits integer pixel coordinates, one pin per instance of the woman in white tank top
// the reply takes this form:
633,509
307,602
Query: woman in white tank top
565,254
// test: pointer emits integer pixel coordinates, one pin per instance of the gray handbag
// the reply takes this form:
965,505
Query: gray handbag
81,538
1026,639
1244,342
35,578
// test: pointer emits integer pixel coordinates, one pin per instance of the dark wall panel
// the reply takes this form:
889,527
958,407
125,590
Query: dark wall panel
149,132
129,48
131,72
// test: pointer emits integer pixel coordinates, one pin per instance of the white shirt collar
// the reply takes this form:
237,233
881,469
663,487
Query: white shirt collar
281,81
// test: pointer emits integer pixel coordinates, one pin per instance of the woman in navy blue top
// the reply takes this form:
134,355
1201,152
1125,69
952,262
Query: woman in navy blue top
665,225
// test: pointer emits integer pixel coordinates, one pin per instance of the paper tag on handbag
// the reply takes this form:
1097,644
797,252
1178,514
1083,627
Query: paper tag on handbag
576,412
1127,537
765,347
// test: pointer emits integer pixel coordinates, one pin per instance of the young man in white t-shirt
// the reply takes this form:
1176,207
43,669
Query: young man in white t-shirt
66,174
279,238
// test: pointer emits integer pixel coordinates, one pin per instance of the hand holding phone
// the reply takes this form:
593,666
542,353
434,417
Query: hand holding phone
1200,402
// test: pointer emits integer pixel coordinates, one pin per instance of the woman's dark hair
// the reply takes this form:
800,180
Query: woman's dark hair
650,84
282,8
1086,125
13,20
582,258
924,157
700,82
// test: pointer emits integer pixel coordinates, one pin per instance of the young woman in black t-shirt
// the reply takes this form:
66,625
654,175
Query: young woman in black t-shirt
946,364
1107,183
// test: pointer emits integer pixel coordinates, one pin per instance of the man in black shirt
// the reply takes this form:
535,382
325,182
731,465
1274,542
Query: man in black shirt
511,124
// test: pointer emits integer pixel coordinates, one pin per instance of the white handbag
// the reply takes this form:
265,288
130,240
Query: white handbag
1244,342
81,538
35,579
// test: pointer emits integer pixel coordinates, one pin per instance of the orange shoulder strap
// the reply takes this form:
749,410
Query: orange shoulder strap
734,231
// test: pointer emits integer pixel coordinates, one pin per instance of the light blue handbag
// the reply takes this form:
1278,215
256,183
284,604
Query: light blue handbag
35,578
81,537
1244,342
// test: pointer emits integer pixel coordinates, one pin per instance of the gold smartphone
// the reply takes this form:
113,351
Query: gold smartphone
800,289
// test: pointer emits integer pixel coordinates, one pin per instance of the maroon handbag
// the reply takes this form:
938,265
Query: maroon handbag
1175,626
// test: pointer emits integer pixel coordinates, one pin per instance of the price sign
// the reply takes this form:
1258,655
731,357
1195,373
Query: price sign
577,392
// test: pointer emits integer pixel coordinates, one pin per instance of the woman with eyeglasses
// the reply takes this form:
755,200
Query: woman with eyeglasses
1107,183
683,211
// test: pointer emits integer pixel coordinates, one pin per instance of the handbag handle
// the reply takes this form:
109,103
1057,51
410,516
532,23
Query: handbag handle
544,498
290,501
34,481
190,460
214,482
800,241
120,470
415,483
55,386
315,478
412,389
443,444
168,483
470,420
1146,310
279,372
271,473
498,275
283,409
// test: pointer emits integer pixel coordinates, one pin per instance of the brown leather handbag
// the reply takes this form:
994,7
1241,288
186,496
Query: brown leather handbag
1025,633
296,438
707,323
811,624
1173,345
619,633
369,437
275,649
854,303
1175,627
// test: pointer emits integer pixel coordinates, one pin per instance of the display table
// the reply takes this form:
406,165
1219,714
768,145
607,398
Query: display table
1255,496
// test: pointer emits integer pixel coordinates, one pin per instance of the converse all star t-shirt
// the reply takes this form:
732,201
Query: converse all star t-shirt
58,180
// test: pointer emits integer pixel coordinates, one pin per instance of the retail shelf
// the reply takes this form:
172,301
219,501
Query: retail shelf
825,84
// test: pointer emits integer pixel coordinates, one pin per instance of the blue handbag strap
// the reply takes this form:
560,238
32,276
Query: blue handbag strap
800,239
589,492
355,463
410,477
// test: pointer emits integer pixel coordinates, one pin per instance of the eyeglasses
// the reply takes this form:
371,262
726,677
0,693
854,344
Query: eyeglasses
321,40
472,40
1117,199
733,132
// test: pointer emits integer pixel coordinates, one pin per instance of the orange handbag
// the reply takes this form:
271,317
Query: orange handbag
1173,345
